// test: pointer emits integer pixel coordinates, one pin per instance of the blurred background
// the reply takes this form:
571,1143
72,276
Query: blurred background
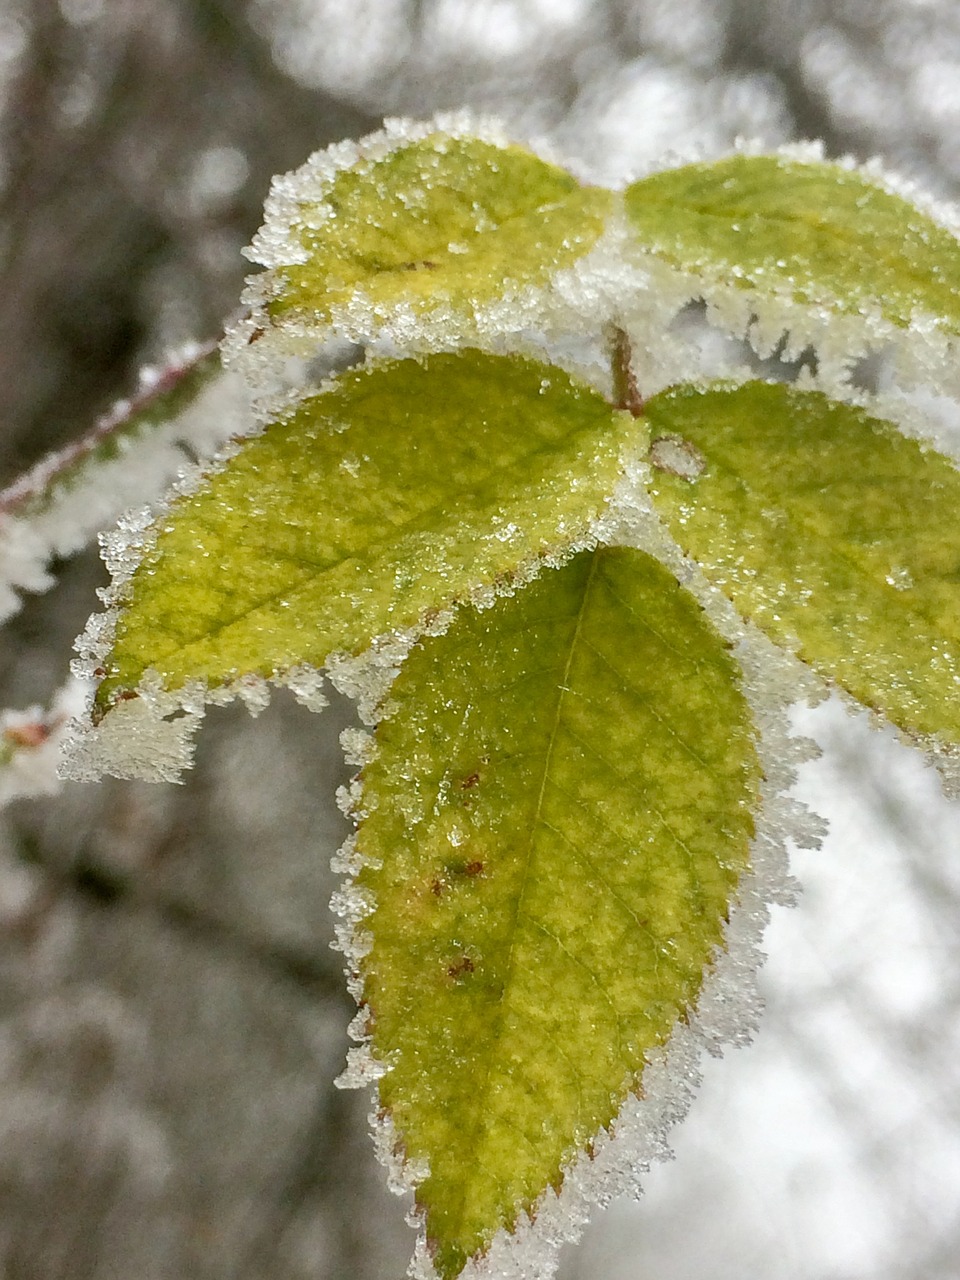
171,1015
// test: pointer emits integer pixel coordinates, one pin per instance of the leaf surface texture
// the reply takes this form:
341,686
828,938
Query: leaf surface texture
392,494
442,223
832,532
819,234
557,819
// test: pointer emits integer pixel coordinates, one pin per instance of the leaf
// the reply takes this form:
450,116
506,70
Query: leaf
557,818
439,224
395,492
828,529
819,234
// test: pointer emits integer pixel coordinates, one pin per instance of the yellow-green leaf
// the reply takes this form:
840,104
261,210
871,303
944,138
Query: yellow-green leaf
558,816
393,493
831,531
818,234
439,223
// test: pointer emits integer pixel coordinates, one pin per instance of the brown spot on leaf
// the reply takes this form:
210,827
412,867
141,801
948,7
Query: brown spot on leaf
460,966
474,777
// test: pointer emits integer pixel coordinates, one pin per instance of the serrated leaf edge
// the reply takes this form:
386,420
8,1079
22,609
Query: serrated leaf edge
258,347
726,1012
922,355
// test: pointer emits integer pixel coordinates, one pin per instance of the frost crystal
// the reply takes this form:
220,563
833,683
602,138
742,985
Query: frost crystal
59,506
922,352
306,685
729,1005
137,740
359,748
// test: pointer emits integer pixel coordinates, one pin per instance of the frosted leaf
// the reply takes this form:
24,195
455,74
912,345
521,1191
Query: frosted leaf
282,560
417,234
457,776
833,254
727,1012
830,531
728,1002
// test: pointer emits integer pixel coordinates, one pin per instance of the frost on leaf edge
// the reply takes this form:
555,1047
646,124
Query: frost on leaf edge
260,348
616,279
150,734
921,355
727,1008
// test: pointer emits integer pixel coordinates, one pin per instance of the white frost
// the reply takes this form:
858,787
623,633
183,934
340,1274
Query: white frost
729,1005
70,510
136,740
31,741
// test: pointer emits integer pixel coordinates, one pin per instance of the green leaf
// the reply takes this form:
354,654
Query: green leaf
830,530
558,816
819,234
395,492
441,224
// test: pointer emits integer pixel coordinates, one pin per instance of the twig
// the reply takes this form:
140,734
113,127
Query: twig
625,391
155,386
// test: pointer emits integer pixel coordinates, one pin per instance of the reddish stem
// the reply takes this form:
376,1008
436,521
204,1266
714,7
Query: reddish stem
626,392
38,480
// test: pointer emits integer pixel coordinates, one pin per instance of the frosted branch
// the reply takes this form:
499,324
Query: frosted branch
180,412
30,742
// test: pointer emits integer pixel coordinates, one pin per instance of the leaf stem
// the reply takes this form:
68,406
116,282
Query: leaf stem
35,484
626,394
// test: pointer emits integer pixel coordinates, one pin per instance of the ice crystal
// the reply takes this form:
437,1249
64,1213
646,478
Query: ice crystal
60,506
727,1010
